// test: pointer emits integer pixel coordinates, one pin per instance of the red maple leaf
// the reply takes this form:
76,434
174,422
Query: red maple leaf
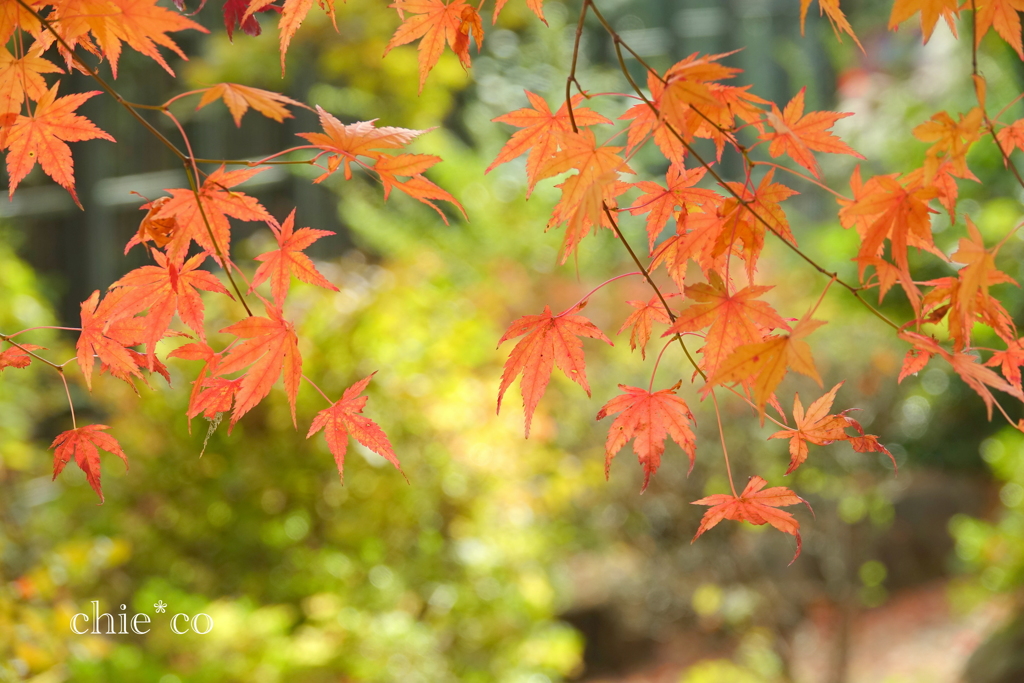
347,143
95,340
82,444
343,419
143,24
539,134
648,418
293,12
661,202
814,426
796,134
551,340
218,202
199,401
17,356
279,265
641,320
755,506
735,318
163,290
238,98
433,23
270,347
21,78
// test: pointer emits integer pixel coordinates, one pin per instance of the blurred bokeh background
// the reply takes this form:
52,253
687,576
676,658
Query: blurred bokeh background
504,559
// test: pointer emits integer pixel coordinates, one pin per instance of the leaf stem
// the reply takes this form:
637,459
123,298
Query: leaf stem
657,362
67,391
319,390
192,173
43,327
595,289
725,451
654,286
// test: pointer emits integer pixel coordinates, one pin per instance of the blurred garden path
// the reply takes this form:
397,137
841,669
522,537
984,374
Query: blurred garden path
916,637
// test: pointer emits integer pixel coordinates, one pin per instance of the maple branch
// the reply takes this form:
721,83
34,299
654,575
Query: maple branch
43,327
571,78
252,164
1007,162
803,176
102,82
193,179
7,338
725,451
654,286
618,42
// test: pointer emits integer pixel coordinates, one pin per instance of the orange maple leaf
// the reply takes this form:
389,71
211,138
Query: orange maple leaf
1010,361
815,426
971,295
931,11
21,78
648,418
287,260
883,208
210,394
551,340
218,202
1011,138
14,15
688,85
42,136
347,144
536,6
660,202
270,347
469,24
764,364
586,194
238,99
830,8
539,134
163,290
952,140
158,230
82,444
343,419
433,21
640,322
755,506
735,319
696,239
644,121
143,24
293,13
17,356
797,134
744,223
1001,14
94,341
978,377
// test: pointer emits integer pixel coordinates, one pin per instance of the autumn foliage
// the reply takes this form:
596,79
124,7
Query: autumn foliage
718,227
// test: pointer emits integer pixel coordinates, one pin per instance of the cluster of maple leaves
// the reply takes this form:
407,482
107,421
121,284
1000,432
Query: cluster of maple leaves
186,229
748,347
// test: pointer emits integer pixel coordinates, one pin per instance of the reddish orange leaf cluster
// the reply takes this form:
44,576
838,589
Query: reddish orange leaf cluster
756,505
